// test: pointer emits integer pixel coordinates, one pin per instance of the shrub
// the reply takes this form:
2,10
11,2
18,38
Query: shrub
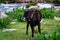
12,1
19,14
57,13
4,22
11,14
56,2
48,13
28,5
1,1
16,14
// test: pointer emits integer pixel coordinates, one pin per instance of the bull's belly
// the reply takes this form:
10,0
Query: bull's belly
34,23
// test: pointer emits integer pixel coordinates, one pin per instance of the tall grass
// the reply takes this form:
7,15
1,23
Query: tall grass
49,13
4,22
49,36
16,14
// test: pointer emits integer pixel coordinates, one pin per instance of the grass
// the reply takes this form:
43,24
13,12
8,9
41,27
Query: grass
49,26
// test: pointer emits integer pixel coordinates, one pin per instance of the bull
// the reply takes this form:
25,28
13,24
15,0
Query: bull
33,18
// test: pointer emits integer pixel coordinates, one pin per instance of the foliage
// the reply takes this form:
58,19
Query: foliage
4,22
55,35
56,2
48,13
11,1
51,36
1,1
57,13
16,14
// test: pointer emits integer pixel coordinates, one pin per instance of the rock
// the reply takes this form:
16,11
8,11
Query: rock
56,18
8,30
2,15
12,22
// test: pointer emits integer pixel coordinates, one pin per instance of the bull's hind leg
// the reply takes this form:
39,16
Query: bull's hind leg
39,28
27,28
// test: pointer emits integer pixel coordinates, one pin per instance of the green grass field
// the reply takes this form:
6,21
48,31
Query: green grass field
49,26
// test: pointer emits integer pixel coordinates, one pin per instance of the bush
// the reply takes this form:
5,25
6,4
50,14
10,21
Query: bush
19,14
48,13
12,1
1,1
56,2
16,14
4,22
57,13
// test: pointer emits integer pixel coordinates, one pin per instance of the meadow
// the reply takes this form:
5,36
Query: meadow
49,27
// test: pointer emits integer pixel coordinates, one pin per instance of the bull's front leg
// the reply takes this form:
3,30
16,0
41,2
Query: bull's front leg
39,28
27,28
32,28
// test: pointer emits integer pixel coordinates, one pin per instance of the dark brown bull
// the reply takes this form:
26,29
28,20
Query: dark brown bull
33,18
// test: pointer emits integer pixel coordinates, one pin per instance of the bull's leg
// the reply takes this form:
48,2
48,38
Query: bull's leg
39,28
32,28
27,28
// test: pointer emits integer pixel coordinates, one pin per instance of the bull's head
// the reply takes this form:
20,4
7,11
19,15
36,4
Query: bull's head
28,14
25,16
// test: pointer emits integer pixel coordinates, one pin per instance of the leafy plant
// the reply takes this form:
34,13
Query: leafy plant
16,14
4,22
57,13
1,1
56,2
55,35
48,13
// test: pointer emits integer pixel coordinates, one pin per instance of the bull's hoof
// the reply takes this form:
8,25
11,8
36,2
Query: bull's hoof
26,33
40,33
33,38
26,37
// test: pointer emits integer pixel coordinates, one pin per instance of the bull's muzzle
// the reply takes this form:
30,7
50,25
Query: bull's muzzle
23,18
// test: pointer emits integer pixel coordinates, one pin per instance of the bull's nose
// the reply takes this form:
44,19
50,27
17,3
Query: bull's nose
23,18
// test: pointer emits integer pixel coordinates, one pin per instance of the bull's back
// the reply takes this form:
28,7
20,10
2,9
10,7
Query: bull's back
36,18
